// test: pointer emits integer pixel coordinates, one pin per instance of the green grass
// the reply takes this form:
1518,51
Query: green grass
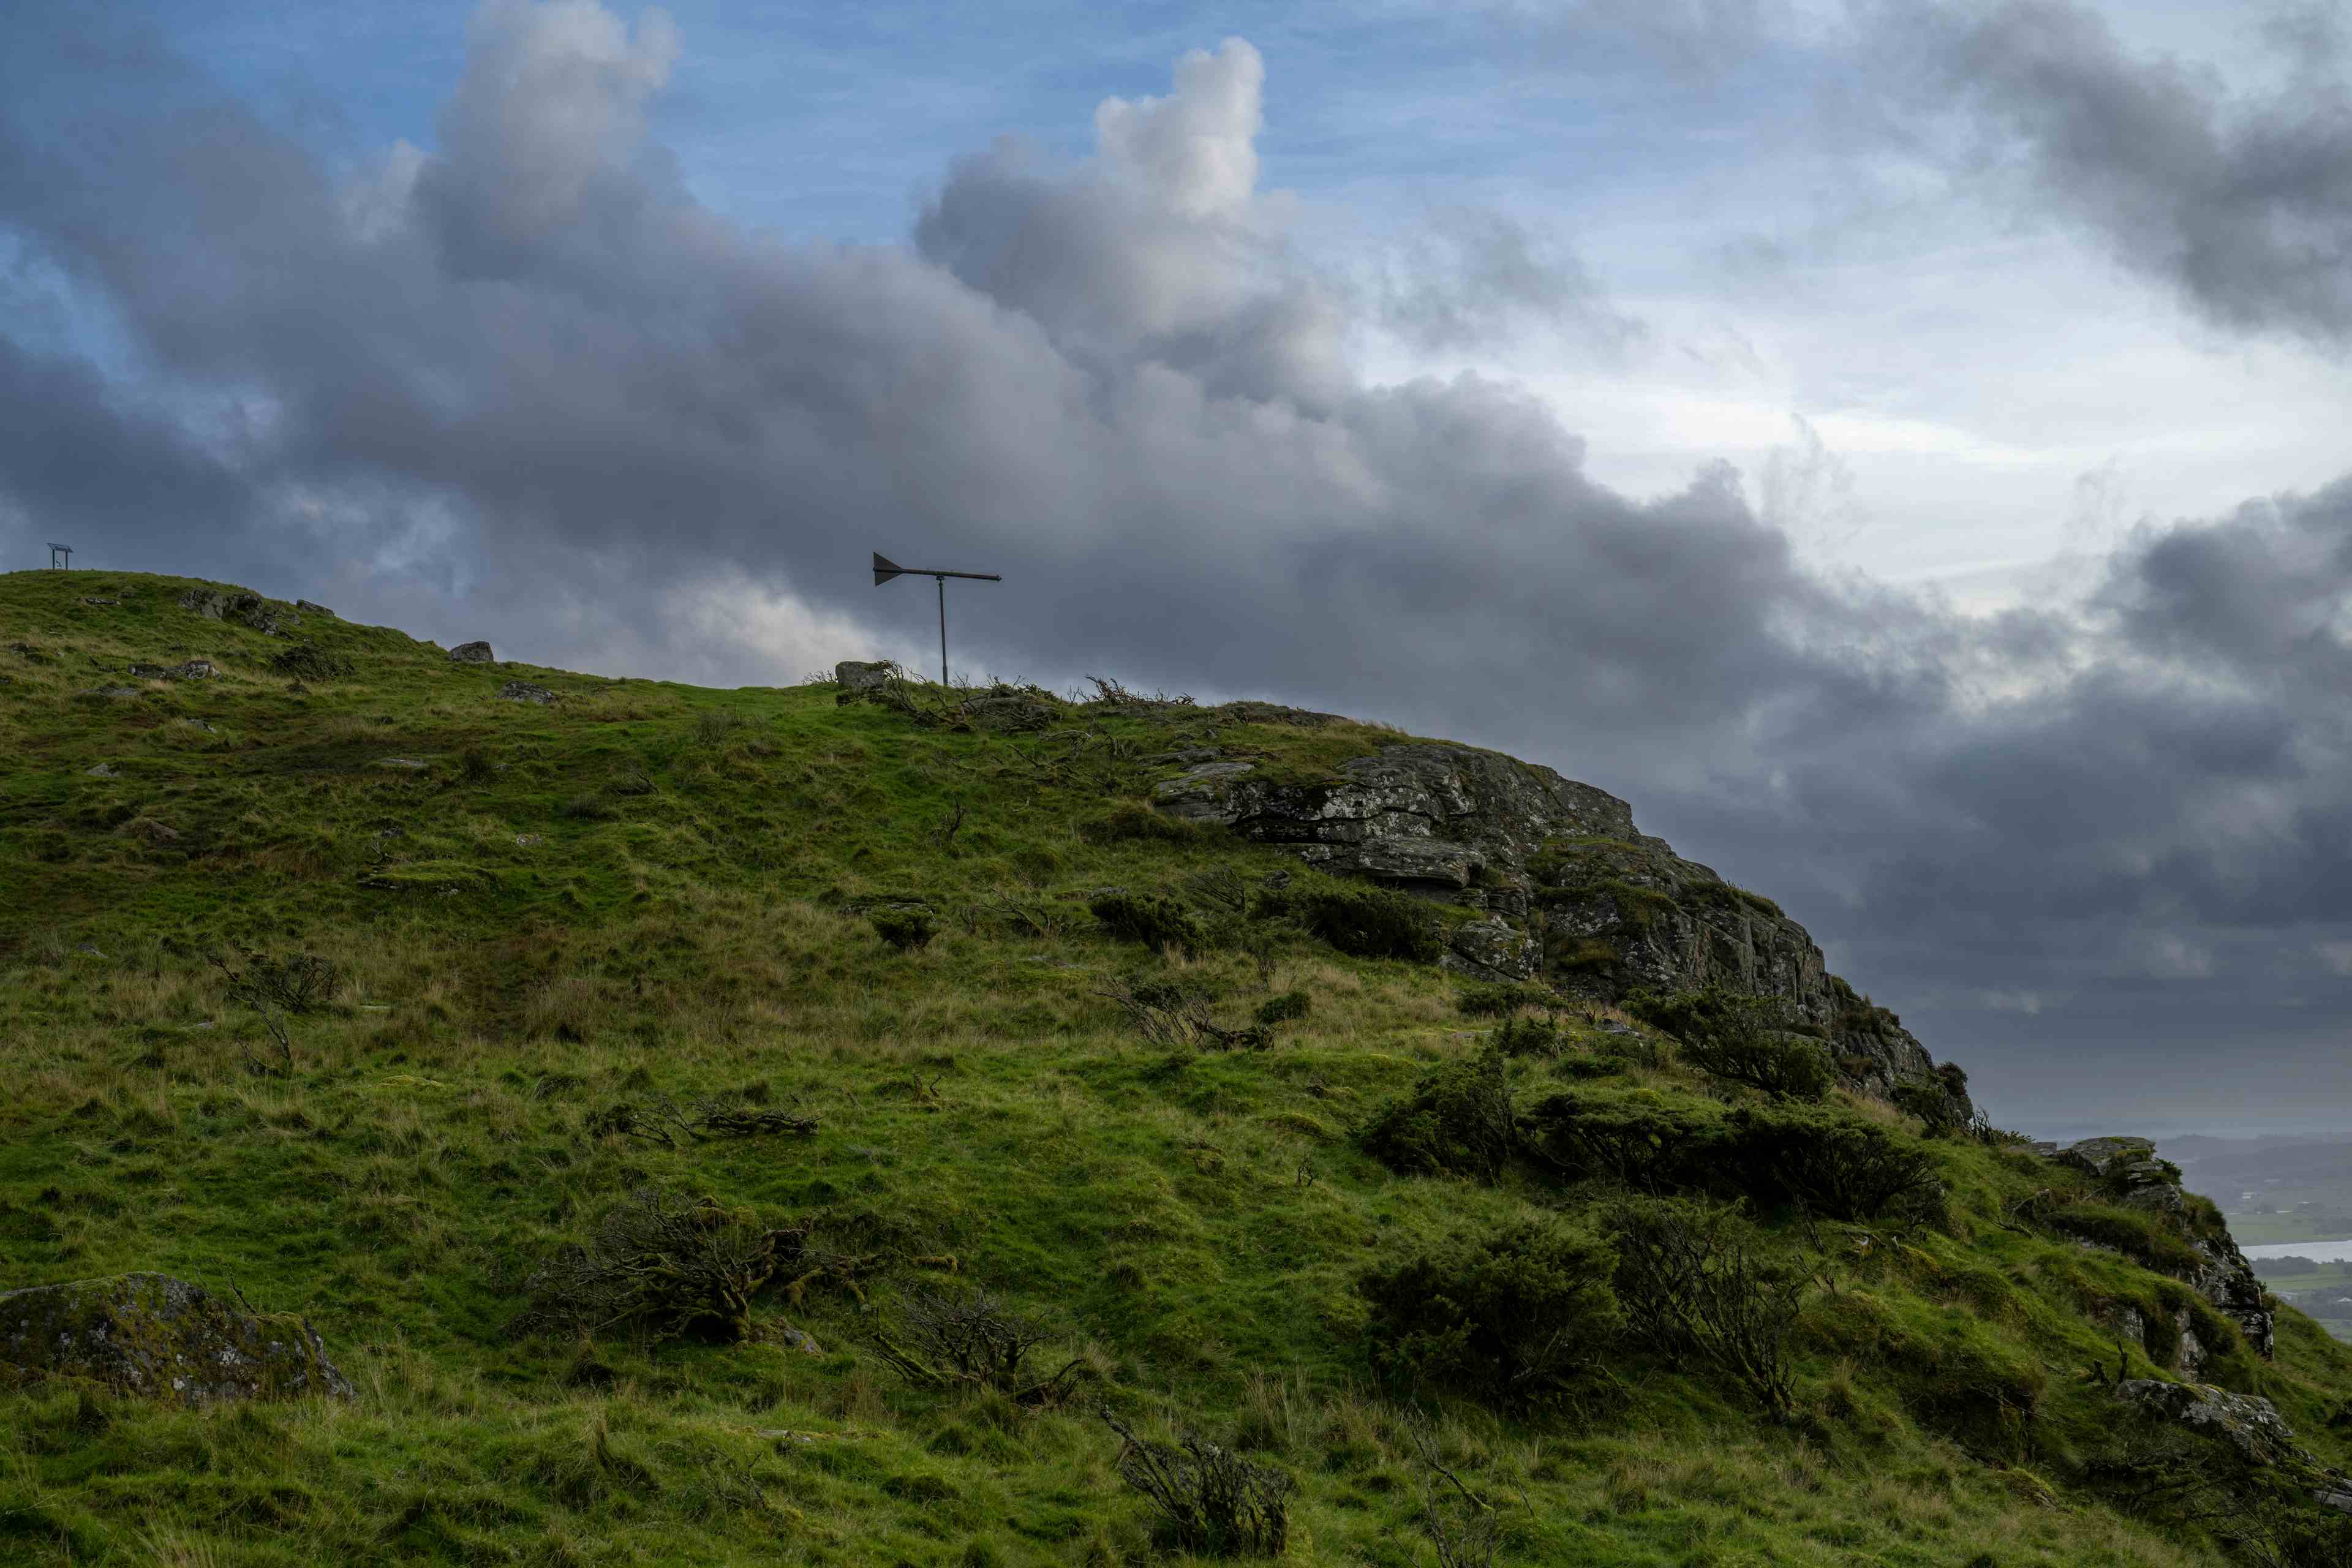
620,897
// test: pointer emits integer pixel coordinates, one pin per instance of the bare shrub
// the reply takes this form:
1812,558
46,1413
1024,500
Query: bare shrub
1692,1283
680,1268
1170,1013
298,983
1458,1524
974,1338
1209,1498
276,988
1740,1038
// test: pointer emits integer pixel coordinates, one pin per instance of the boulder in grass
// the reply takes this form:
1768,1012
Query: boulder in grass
472,653
857,675
524,691
159,1337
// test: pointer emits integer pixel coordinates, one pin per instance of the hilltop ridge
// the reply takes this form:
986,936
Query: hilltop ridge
1395,1117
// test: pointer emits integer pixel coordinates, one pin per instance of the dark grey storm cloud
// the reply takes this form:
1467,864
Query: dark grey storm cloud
525,383
2242,202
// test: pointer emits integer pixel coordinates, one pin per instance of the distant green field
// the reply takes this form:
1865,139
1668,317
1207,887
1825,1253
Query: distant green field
2263,1229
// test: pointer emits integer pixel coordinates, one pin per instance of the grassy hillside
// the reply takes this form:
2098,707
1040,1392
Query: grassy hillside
548,923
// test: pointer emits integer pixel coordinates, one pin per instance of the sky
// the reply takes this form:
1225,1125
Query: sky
1899,448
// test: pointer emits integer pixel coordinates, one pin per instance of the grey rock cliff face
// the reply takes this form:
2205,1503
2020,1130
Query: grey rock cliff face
1574,893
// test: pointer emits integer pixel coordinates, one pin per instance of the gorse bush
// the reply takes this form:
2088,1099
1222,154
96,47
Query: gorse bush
1740,1038
1835,1164
1636,1137
905,930
1363,922
1288,1008
1458,1120
1515,1314
1131,823
1527,1038
1694,1282
1152,918
1501,1001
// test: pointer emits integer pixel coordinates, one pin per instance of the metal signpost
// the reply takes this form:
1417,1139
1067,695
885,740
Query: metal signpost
885,569
60,555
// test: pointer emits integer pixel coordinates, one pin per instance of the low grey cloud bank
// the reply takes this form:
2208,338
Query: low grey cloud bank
525,382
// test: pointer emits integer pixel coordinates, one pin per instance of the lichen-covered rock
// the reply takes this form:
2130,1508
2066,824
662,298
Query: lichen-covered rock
524,691
472,653
1601,907
163,1339
244,609
857,675
1492,949
307,608
2247,1422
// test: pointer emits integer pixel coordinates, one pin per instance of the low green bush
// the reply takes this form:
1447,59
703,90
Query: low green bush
1515,1314
1501,1001
905,930
1637,1137
1152,918
1288,1007
1836,1165
1130,822
1458,1120
1364,922
1527,1038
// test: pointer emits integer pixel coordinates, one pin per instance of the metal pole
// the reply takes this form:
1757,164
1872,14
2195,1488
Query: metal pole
943,631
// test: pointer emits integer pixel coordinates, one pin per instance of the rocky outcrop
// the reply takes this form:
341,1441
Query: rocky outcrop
2247,1422
472,653
1570,889
193,669
163,1338
2133,1175
524,691
242,609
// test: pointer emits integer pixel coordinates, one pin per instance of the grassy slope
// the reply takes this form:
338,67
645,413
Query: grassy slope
526,945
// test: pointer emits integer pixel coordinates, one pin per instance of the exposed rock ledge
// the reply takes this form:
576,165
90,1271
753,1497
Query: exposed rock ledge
163,1339
1571,890
2132,1173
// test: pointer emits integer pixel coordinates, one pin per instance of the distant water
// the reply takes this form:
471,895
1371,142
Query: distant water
2317,1251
